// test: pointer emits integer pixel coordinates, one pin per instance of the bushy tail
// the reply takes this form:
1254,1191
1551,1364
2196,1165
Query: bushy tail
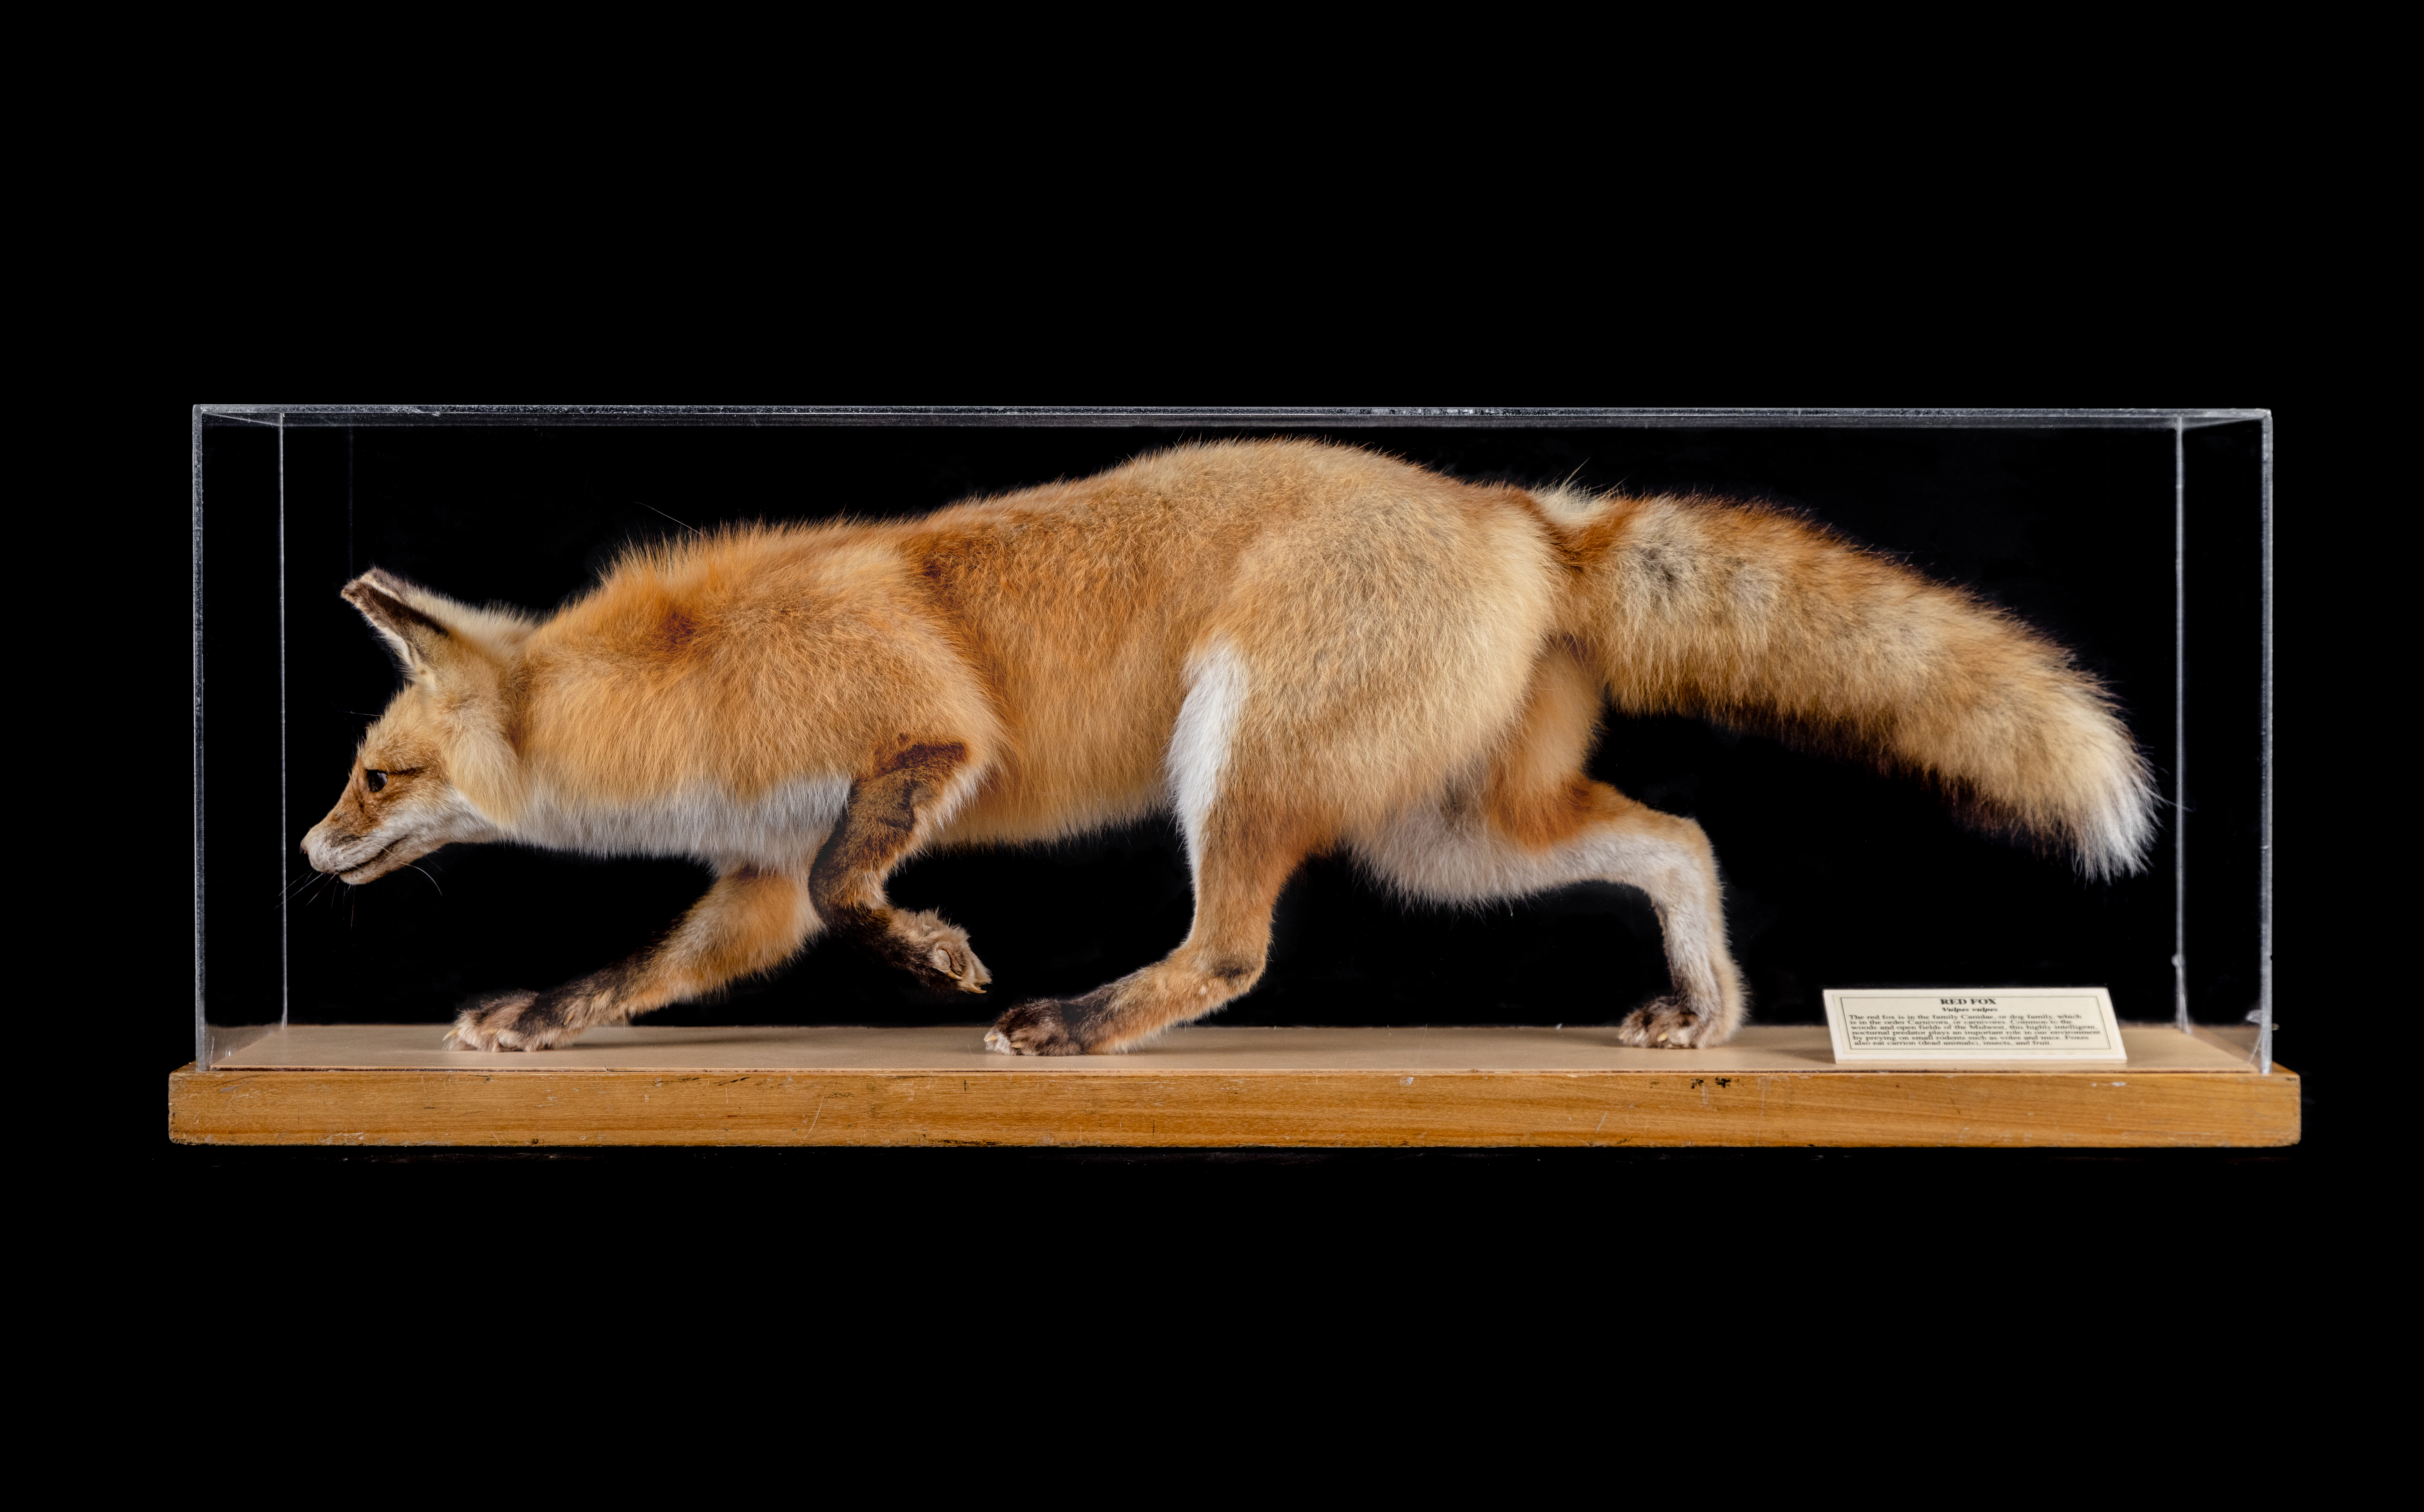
1751,617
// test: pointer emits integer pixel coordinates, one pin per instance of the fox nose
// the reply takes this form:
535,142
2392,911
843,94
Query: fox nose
320,841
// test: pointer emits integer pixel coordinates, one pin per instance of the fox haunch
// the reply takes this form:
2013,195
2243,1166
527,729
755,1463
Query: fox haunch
1294,647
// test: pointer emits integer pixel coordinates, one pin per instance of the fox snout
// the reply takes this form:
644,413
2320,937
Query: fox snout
332,848
359,858
389,818
319,847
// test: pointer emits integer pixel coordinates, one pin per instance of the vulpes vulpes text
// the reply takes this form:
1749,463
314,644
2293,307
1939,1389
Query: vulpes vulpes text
1295,647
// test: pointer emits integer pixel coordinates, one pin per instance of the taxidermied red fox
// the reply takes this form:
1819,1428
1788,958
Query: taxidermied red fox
1297,648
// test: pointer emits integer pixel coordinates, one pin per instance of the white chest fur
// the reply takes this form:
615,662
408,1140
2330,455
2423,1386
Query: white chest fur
783,825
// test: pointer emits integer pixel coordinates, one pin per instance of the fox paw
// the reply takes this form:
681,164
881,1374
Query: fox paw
937,953
1666,1024
1047,1027
506,1021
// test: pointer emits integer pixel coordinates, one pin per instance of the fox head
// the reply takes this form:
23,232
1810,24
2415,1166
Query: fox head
437,765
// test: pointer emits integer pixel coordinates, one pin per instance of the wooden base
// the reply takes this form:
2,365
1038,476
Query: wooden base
390,1084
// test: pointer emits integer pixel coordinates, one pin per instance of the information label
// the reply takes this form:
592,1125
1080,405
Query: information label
1911,1024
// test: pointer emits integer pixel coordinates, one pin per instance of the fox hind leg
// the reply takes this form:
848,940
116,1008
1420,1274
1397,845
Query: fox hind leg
1501,840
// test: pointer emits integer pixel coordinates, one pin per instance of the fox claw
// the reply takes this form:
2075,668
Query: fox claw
1666,1024
937,953
494,1022
941,958
1043,1028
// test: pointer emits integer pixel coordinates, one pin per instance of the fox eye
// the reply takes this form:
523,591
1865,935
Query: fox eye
377,779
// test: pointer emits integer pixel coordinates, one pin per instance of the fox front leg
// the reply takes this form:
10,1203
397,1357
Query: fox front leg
750,921
887,815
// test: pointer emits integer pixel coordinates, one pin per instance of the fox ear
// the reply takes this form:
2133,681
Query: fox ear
415,638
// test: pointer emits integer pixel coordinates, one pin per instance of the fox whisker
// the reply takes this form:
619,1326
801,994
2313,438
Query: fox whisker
683,523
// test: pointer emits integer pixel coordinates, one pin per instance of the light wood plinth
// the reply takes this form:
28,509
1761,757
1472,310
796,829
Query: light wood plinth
390,1084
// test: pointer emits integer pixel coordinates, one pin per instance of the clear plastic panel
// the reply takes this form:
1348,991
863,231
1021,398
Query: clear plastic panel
2140,538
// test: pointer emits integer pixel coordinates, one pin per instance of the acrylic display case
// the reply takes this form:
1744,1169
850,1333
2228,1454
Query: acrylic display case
2139,539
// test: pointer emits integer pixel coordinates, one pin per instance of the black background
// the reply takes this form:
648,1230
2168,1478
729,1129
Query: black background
2070,236
1684,1233
1836,876
2209,1244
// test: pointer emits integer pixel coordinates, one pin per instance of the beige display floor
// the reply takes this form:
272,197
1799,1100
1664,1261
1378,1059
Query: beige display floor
391,1084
